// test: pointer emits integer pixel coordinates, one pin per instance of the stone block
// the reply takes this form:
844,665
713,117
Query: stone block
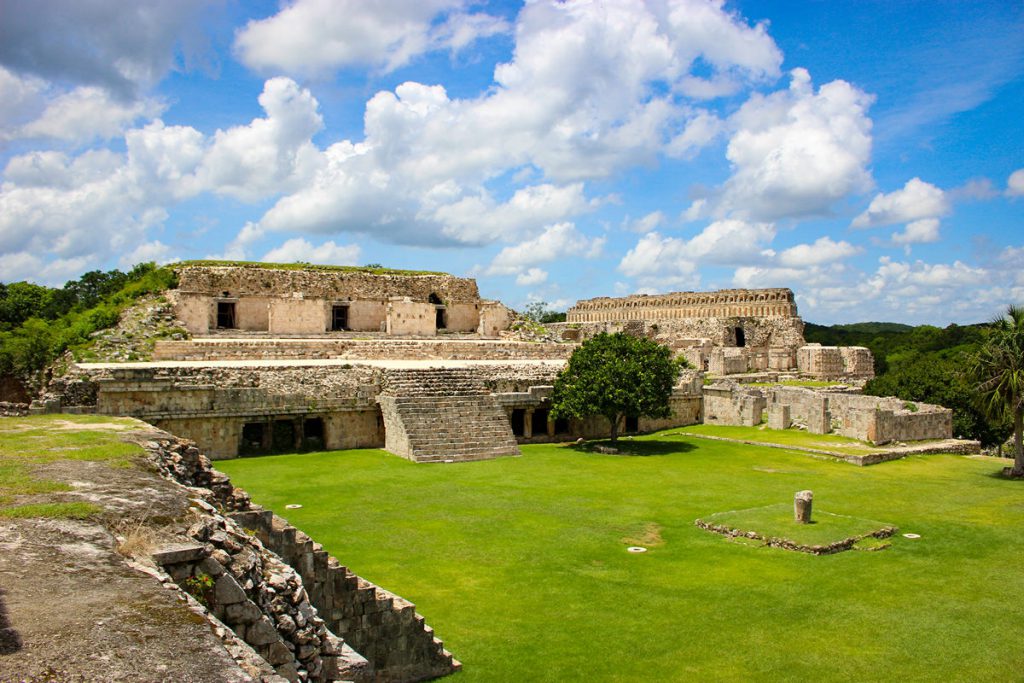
262,633
779,416
242,613
177,553
226,590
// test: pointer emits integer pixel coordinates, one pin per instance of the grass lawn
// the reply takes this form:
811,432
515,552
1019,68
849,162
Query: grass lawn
520,564
786,437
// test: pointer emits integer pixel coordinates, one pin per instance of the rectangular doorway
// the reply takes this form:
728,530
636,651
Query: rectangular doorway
339,318
226,315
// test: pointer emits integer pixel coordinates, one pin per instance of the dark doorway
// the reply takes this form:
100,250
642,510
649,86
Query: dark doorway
283,436
339,318
252,438
226,315
540,422
313,434
632,425
435,299
440,313
741,339
518,419
562,425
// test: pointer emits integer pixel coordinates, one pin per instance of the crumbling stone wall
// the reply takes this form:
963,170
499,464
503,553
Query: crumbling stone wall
835,362
727,403
727,303
286,596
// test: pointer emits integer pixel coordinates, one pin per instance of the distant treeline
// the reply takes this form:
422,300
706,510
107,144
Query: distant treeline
922,363
37,323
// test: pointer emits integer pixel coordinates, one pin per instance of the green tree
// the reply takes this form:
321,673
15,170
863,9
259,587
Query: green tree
616,375
998,369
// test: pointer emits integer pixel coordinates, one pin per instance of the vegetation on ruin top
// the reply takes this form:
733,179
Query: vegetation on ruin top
27,444
372,269
520,564
38,324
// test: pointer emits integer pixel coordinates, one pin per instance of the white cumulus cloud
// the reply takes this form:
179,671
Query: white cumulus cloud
1015,184
795,152
299,249
917,200
316,37
558,241
821,251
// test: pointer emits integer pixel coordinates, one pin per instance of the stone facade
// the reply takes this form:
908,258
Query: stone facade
317,301
726,332
835,362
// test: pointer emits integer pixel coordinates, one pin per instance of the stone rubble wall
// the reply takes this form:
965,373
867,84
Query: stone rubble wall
380,625
243,281
283,594
8,409
685,333
358,349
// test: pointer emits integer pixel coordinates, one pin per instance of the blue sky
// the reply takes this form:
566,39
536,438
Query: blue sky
868,155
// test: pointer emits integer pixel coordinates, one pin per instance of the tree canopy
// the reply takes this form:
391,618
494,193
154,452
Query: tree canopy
616,375
998,369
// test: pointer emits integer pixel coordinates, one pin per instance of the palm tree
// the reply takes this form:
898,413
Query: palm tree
998,369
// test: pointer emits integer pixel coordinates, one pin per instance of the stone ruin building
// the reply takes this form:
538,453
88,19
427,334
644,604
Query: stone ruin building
285,359
290,302
731,331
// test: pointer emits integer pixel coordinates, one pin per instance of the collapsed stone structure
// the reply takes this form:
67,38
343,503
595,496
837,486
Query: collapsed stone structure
879,420
727,332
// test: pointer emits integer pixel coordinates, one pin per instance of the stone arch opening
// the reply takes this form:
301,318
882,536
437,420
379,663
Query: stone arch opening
741,338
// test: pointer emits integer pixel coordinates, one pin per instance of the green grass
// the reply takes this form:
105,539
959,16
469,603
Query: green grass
306,266
776,521
52,510
520,563
786,437
26,442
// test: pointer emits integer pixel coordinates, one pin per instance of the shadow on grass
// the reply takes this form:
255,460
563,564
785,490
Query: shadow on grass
629,447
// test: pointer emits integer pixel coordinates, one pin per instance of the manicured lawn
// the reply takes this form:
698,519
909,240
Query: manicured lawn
785,437
520,564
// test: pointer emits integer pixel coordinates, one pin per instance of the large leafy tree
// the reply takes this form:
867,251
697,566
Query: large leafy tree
616,375
998,369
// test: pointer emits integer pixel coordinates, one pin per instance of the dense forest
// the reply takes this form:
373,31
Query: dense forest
37,323
922,363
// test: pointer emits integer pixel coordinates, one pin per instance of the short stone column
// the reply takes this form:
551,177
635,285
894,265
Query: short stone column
802,506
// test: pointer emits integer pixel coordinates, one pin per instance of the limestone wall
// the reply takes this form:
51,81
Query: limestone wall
243,281
358,349
406,317
835,362
495,317
681,305
731,404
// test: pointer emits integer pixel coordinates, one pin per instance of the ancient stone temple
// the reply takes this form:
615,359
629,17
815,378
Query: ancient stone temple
305,301
725,332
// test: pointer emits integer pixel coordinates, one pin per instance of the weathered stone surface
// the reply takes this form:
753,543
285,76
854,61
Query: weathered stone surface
177,553
262,632
226,590
802,503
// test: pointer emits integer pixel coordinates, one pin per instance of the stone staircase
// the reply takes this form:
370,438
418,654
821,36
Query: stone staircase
443,414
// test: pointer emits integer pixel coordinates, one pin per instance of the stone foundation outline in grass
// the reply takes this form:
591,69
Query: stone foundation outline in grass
731,529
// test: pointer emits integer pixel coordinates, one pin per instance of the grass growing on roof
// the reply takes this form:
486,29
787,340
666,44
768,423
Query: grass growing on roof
520,564
305,266
26,442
